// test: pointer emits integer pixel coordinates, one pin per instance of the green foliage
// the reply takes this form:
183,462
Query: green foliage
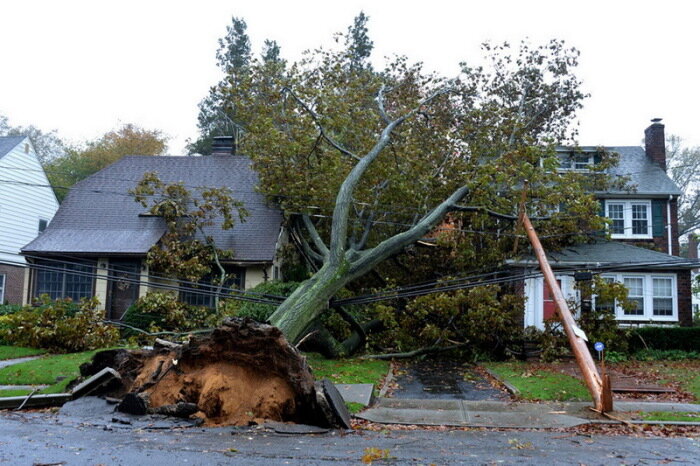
162,311
6,309
674,416
615,356
262,312
56,326
186,251
79,162
665,338
486,317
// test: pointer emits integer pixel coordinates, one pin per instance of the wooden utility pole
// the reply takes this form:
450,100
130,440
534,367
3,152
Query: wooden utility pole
602,401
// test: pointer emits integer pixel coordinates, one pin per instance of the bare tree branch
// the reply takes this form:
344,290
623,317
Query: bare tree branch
315,237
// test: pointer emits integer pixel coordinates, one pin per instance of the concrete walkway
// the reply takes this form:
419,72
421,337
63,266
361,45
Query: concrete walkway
12,362
498,414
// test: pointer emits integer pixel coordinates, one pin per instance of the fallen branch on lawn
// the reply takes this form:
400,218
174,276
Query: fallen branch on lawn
418,352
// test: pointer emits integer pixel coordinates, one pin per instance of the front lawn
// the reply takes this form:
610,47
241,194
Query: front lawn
670,416
537,382
13,352
348,370
44,371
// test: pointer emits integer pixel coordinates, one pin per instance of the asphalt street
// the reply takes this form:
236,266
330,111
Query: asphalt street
32,439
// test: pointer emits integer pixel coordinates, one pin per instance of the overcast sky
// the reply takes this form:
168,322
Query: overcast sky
84,67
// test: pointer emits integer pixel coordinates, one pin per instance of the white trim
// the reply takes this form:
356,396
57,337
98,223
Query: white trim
648,295
534,305
627,207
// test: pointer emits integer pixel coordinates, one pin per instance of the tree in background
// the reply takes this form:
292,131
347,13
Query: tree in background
358,44
217,117
684,169
367,163
82,161
48,145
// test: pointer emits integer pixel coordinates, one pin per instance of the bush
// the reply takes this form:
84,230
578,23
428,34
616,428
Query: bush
665,355
6,309
665,338
59,326
162,311
262,312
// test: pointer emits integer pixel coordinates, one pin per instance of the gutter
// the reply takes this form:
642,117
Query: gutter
668,224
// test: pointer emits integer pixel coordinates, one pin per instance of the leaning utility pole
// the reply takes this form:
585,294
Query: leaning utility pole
600,389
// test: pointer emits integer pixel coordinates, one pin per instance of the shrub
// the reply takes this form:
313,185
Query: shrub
6,309
665,338
57,326
162,311
665,355
483,317
262,312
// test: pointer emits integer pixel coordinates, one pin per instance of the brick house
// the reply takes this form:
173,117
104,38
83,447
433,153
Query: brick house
27,205
643,248
99,238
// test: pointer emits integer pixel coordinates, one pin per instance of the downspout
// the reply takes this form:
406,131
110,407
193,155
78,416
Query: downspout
668,225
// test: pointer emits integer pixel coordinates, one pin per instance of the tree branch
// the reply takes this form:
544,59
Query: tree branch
315,237
322,131
339,229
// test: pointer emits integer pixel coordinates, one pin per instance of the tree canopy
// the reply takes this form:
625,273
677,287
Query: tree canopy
47,144
366,162
81,161
684,169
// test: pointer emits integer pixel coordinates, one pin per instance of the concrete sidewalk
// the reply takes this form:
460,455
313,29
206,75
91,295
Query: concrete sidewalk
499,414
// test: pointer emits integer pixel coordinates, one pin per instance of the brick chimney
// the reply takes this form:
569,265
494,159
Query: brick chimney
692,246
223,145
655,143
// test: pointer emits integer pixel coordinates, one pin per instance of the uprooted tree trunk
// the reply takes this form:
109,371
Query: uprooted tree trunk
243,372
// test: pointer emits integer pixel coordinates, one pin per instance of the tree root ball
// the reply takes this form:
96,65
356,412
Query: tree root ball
241,373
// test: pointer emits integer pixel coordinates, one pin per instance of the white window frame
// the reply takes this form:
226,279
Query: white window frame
648,294
586,166
627,207
3,281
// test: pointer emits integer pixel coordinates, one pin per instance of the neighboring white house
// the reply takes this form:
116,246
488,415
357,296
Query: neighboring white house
27,205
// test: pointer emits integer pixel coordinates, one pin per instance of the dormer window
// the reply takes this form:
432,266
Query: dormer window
580,161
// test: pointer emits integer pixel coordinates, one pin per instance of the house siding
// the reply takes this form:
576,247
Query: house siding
25,198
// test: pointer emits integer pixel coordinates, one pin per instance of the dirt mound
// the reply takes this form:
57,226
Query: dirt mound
243,372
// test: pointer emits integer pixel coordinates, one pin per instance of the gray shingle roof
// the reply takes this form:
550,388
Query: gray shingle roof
7,143
99,217
602,253
645,175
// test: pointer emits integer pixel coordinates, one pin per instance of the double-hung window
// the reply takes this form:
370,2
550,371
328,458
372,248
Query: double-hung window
629,219
581,161
652,296
64,280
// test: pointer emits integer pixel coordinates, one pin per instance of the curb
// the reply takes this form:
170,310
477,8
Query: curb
513,391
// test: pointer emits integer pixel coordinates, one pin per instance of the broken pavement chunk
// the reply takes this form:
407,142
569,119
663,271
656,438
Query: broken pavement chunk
133,404
105,379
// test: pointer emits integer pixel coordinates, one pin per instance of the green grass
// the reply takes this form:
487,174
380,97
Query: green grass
538,383
670,416
45,370
348,370
688,376
12,352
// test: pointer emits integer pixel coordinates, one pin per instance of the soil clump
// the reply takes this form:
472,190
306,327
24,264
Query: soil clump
241,373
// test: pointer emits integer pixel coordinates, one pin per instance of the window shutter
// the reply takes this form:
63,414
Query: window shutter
657,217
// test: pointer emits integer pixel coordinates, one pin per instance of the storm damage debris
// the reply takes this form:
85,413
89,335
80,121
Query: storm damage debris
242,373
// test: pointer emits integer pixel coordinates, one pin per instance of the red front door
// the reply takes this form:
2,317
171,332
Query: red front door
549,308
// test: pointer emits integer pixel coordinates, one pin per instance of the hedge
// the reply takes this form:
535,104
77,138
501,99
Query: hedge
665,338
